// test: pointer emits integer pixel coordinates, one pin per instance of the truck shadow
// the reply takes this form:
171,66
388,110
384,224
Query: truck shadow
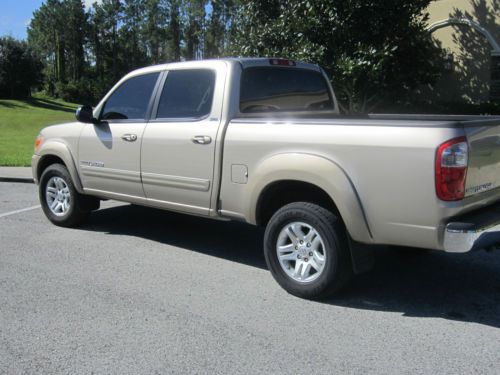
233,241
460,287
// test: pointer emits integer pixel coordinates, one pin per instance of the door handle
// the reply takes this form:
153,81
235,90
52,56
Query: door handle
202,139
129,137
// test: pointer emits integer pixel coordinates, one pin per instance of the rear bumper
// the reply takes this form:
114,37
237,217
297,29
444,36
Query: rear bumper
477,230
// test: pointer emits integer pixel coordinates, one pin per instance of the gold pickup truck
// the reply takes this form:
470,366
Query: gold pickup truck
261,140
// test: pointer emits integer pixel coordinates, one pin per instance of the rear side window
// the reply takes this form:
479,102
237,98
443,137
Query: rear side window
187,94
130,100
271,89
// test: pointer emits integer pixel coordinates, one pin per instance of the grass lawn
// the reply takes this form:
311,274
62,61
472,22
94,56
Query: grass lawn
21,121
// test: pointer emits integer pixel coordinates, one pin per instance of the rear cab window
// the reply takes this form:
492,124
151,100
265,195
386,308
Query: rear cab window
284,89
187,94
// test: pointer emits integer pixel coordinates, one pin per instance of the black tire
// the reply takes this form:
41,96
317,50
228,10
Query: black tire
80,205
337,269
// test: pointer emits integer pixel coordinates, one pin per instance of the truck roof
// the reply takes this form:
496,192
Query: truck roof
246,62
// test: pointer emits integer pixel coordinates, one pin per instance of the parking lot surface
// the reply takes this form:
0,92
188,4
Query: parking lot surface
138,290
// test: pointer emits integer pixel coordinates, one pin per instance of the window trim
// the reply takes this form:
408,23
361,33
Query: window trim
154,112
287,113
149,107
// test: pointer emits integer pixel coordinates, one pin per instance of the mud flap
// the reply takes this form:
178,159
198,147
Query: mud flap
362,256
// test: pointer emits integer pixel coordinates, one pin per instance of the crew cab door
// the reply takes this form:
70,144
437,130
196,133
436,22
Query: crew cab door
178,147
109,153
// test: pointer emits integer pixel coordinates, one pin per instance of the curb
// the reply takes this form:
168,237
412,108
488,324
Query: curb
17,179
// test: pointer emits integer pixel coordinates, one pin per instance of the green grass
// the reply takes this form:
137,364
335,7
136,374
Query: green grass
21,121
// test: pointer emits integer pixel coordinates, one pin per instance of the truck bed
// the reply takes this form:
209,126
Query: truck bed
390,160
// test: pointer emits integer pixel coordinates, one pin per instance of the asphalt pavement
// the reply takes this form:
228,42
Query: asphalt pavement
139,290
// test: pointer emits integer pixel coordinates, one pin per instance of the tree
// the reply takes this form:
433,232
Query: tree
174,31
105,19
46,37
20,69
154,28
194,22
133,47
372,50
75,35
218,27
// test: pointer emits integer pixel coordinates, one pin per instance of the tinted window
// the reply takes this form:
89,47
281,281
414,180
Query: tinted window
271,89
187,94
131,99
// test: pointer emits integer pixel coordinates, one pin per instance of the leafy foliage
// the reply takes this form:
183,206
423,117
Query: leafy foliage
116,36
372,49
20,70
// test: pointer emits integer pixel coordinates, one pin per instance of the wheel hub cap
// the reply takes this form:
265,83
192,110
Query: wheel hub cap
301,252
58,196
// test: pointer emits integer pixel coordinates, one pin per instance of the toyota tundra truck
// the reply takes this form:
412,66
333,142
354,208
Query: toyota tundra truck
261,140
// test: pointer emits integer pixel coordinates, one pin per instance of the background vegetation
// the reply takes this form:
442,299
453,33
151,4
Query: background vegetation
374,51
85,52
377,53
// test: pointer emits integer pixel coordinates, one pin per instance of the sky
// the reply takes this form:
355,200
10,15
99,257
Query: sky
15,16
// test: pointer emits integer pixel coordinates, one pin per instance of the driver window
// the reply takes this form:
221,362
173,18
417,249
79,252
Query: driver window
130,100
187,94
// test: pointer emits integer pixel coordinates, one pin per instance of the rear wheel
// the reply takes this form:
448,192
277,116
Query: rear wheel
60,201
306,250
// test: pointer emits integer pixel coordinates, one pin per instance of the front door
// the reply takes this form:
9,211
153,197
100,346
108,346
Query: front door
179,142
110,152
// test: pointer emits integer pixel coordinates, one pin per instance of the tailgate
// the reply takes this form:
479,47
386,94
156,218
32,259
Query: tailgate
483,137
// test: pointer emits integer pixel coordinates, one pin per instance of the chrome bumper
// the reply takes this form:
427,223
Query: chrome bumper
478,230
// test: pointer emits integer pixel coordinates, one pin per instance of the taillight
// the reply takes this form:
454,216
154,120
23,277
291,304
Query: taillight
451,169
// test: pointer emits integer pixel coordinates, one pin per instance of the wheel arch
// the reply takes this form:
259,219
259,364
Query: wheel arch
282,192
54,152
309,178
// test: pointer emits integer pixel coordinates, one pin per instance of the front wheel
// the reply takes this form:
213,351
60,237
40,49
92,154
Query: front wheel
60,201
306,250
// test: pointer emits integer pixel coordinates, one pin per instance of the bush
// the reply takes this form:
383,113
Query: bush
20,69
75,92
372,50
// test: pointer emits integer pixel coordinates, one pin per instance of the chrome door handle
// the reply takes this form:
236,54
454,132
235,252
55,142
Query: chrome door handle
129,137
202,139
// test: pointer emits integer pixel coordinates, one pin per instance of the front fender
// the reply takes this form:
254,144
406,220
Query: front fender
62,151
319,171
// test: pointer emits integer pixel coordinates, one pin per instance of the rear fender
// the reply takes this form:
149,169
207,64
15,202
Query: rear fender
317,170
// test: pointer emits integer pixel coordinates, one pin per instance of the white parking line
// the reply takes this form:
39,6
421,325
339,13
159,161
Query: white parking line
19,211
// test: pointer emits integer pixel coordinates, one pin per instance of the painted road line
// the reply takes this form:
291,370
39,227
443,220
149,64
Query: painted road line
19,211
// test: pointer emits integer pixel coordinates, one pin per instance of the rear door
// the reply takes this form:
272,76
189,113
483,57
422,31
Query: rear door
110,152
178,146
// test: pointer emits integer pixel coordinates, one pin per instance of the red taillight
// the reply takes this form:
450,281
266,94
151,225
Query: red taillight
282,62
451,169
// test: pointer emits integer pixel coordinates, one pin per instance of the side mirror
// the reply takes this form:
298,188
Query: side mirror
84,114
